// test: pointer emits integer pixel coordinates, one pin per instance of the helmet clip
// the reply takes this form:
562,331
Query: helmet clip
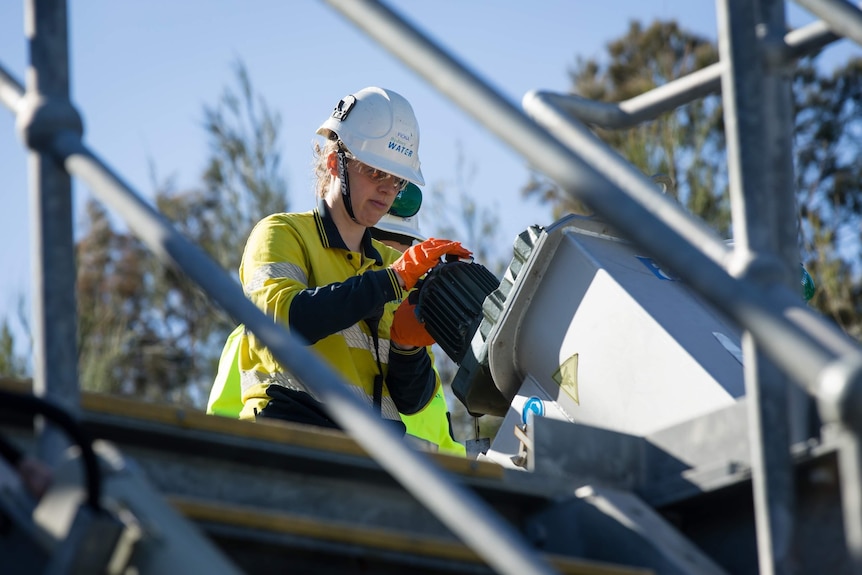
343,108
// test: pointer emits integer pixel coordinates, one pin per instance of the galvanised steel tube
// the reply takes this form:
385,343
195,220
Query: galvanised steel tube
11,92
467,516
620,194
765,311
646,106
850,451
459,509
850,467
758,125
670,96
774,314
512,126
809,39
45,110
844,18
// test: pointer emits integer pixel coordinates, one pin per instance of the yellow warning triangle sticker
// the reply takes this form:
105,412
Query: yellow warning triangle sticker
567,377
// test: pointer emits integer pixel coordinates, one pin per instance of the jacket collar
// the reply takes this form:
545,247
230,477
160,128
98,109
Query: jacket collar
330,237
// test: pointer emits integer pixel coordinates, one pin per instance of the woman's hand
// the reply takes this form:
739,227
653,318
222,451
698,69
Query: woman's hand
417,260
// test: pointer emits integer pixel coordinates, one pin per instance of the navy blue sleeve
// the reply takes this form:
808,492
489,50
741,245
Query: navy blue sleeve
319,312
410,380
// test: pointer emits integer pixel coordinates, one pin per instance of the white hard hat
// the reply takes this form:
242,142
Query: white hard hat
378,128
402,226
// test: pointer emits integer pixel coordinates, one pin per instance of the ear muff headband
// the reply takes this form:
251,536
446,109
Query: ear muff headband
345,185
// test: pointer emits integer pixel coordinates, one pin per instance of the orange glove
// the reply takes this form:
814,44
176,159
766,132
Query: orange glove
407,329
417,260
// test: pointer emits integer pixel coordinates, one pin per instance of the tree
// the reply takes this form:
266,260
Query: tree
11,364
829,186
111,292
145,329
244,181
688,144
474,226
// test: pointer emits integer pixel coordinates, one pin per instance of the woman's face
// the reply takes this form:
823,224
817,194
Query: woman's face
372,191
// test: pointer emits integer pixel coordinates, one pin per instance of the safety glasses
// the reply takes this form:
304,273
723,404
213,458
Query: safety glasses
407,202
377,176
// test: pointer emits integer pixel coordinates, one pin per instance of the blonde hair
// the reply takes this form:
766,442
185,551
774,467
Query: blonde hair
321,169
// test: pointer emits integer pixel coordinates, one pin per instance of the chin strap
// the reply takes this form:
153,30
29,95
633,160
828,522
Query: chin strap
345,185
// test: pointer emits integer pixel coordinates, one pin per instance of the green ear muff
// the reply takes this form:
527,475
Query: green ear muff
407,202
808,285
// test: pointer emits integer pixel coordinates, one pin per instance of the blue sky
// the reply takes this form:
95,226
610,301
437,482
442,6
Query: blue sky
142,72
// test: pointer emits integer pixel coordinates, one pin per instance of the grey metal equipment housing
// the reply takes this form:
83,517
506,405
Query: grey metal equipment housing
669,402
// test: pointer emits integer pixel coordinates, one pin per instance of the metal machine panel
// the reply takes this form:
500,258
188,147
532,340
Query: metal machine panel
611,340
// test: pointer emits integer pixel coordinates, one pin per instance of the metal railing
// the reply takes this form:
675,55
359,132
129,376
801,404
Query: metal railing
51,129
751,283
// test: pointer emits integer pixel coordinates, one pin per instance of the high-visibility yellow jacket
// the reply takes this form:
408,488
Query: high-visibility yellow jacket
432,425
298,270
226,392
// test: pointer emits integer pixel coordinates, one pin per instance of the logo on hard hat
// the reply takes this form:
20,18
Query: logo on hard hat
400,148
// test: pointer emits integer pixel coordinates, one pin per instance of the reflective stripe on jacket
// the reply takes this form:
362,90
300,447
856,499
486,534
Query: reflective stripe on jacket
298,270
432,424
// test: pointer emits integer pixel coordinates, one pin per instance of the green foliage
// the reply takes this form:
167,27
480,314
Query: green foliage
463,220
110,287
688,144
130,342
11,364
685,145
243,181
828,112
145,329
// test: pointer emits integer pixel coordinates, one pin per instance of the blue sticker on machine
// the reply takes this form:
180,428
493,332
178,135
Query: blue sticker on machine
656,270
532,405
